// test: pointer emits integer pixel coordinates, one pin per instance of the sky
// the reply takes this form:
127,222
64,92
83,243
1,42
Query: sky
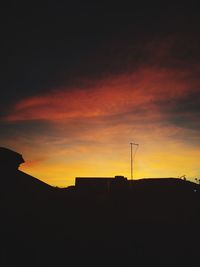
80,82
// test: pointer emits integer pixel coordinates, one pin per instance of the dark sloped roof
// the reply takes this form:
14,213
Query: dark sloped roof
9,157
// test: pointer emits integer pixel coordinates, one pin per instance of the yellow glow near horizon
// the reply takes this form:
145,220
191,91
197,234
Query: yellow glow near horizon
73,132
147,164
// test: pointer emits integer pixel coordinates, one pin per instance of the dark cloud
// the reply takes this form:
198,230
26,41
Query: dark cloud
185,111
19,130
189,103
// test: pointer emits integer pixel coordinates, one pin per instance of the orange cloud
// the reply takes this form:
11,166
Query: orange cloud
125,93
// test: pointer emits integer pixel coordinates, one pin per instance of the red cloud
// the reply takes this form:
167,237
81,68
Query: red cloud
120,94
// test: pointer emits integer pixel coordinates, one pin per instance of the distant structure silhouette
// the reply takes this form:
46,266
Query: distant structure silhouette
100,184
9,159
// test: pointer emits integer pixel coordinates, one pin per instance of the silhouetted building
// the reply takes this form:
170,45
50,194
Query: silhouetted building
9,159
100,184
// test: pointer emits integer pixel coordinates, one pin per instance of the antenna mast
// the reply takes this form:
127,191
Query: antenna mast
132,157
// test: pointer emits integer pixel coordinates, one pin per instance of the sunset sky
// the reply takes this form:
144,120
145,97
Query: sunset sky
79,83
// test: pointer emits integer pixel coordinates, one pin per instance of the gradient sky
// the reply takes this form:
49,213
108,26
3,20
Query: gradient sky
79,83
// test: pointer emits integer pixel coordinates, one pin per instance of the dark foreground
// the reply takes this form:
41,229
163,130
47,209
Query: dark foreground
148,225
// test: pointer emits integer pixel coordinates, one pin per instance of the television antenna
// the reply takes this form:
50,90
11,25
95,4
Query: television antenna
133,156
